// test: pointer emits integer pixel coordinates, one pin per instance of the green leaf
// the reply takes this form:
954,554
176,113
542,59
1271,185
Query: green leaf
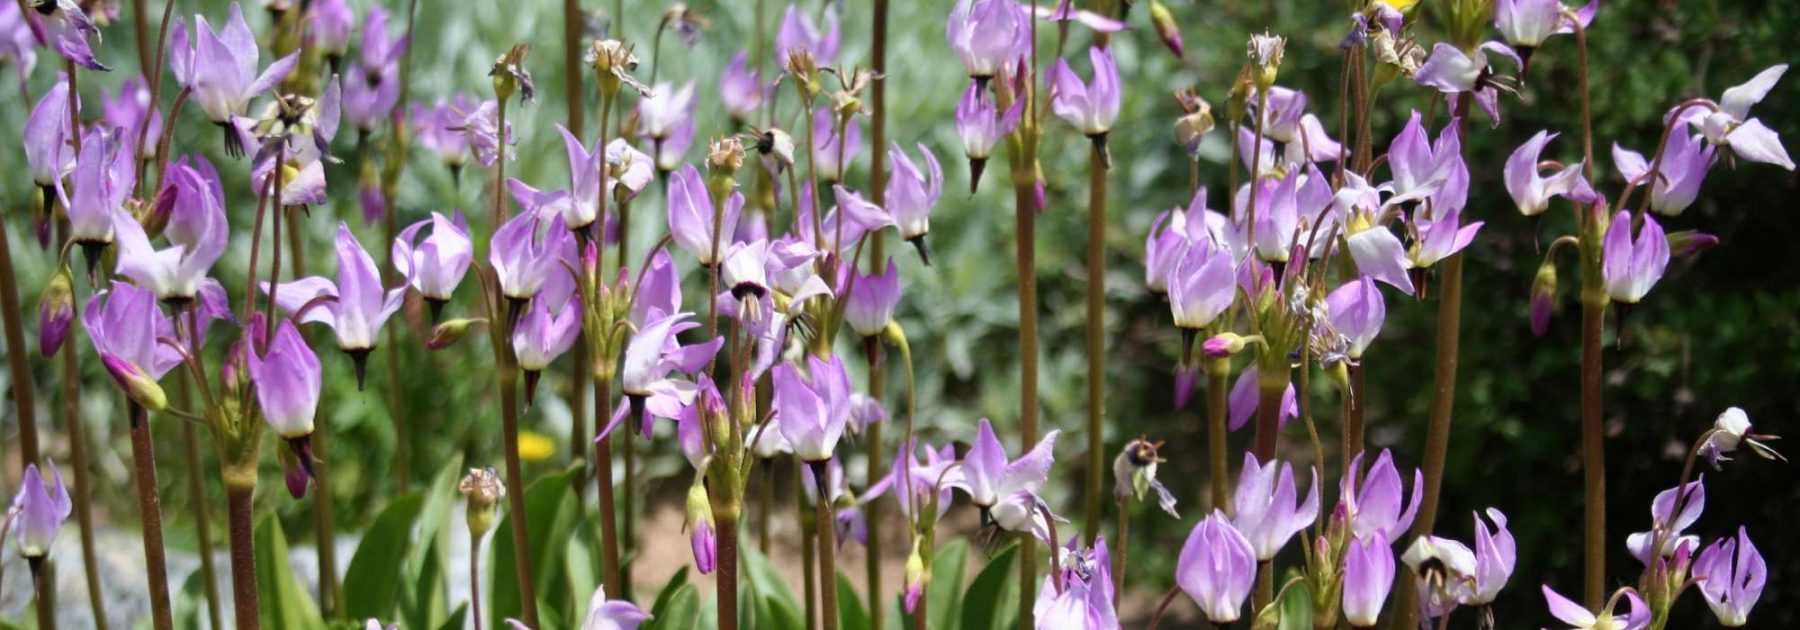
945,590
997,583
1296,607
426,604
551,512
190,603
774,605
675,583
283,601
851,614
372,582
457,619
677,609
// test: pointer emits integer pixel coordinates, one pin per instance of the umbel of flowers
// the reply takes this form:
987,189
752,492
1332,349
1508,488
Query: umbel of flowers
1290,277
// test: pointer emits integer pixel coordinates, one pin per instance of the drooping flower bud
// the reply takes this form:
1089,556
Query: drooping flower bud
450,331
56,310
700,529
483,491
1690,242
1223,345
1543,298
1166,28
137,383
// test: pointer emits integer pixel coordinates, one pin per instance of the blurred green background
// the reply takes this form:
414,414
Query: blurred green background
1720,330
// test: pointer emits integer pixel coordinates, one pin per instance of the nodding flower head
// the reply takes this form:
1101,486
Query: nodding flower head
1630,268
1732,430
1532,192
1216,568
987,35
1729,122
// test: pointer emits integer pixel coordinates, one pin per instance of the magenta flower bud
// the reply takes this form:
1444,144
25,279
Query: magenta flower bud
1543,298
741,89
1691,242
1216,568
870,306
56,310
1368,574
448,332
1631,268
701,537
41,511
987,35
812,409
1731,574
138,384
288,381
1222,345
1533,192
690,213
1166,28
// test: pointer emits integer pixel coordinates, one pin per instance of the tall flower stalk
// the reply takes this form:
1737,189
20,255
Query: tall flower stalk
878,176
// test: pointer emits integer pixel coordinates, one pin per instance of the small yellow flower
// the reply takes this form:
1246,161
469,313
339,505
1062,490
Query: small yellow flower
535,447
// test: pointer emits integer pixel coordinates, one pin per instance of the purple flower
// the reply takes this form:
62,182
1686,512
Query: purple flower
1527,23
438,129
1532,192
1420,167
328,27
1440,237
825,143
870,305
66,29
1374,506
126,326
1630,268
42,510
103,179
1368,574
629,171
1086,597
524,258
1731,574
1065,11
616,614
196,230
547,329
658,294
652,359
745,273
1266,513
741,89
665,110
669,152
220,67
1580,618
1216,568
435,266
354,307
1356,311
481,131
911,194
914,484
583,206
799,32
1245,398
812,409
1730,124
988,477
18,45
1202,285
288,380
981,123
1452,71
860,217
131,110
46,138
1495,556
379,48
1671,525
986,34
1091,108
370,95
1684,165
691,216
1302,134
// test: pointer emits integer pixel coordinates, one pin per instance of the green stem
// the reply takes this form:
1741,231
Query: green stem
515,483
1096,337
1265,586
824,523
1218,374
878,26
1593,452
609,525
143,458
1353,417
808,548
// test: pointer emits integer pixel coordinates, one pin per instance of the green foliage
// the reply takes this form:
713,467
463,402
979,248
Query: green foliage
283,601
851,613
371,587
945,591
677,605
551,511
764,600
998,586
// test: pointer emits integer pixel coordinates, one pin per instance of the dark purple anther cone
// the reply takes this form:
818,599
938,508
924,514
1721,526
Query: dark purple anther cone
531,383
919,243
976,166
359,359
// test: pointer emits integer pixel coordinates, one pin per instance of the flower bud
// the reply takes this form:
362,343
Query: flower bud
1543,298
483,491
725,156
1690,242
918,576
1166,28
450,331
138,384
1223,345
56,310
1265,54
701,537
